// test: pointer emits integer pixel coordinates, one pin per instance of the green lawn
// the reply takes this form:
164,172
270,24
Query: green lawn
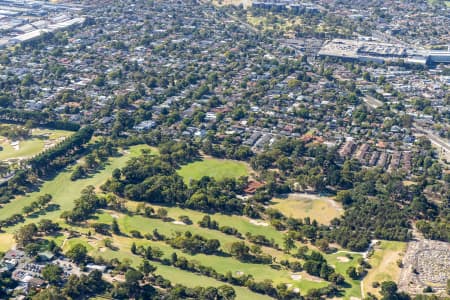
6,241
173,274
63,190
241,223
217,168
72,242
39,140
305,285
433,2
321,209
341,263
384,264
222,264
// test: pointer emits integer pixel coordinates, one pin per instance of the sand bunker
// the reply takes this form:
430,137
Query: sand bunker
343,259
296,276
259,223
178,223
15,145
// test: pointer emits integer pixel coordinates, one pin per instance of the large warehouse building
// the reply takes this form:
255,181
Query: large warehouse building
370,50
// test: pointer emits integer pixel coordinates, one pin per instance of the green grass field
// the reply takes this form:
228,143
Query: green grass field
341,263
217,168
63,190
241,223
384,264
322,209
222,264
39,140
6,241
433,2
173,274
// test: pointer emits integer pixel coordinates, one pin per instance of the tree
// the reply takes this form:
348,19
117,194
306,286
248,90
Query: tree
162,213
51,293
133,248
115,227
90,161
212,246
27,210
322,244
52,273
388,289
132,278
32,249
174,258
146,267
48,226
289,243
239,249
77,173
25,235
116,174
78,253
226,292
351,271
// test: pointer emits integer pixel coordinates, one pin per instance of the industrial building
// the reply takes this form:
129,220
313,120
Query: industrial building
22,21
374,51
292,5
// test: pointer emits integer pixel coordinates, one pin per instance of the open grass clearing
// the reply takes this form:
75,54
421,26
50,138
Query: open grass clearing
63,190
213,167
341,261
384,264
39,140
305,285
72,242
222,264
147,225
321,209
241,223
173,274
6,241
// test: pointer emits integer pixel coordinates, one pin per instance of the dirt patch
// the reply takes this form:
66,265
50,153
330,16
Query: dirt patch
15,145
296,276
239,273
102,249
312,278
343,259
178,223
259,223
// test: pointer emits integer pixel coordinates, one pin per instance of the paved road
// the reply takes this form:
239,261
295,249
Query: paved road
372,102
442,144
